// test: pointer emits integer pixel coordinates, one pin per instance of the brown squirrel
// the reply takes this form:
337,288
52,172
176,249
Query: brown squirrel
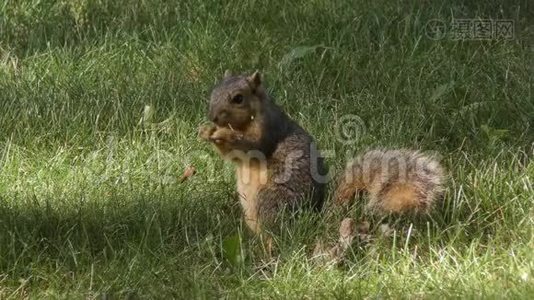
278,165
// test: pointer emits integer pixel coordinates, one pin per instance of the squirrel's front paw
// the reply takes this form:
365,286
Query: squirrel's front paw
225,135
205,131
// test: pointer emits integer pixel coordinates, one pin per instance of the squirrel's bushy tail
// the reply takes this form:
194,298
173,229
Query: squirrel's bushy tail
396,181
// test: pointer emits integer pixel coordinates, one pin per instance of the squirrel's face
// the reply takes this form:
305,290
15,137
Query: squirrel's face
236,100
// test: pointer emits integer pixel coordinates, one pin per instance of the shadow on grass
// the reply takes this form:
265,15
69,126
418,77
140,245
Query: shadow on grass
117,226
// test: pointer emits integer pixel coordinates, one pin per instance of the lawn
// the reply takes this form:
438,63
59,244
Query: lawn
100,102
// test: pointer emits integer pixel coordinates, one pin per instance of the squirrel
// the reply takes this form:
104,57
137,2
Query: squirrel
278,164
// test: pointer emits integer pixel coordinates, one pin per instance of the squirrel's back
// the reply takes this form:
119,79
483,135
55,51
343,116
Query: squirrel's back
397,181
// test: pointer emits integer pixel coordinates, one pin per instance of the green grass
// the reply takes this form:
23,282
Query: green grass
90,203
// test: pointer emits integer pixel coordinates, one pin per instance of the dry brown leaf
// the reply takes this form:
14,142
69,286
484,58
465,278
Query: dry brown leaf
363,227
386,230
346,233
346,228
188,172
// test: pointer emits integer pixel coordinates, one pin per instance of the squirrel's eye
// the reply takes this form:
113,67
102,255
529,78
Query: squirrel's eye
237,99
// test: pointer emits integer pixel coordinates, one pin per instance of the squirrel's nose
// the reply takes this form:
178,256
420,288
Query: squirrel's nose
221,116
212,115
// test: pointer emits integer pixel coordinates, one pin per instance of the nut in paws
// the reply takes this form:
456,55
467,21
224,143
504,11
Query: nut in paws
205,131
225,135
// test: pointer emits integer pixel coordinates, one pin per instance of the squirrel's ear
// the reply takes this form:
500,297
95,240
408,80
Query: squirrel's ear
254,79
227,73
